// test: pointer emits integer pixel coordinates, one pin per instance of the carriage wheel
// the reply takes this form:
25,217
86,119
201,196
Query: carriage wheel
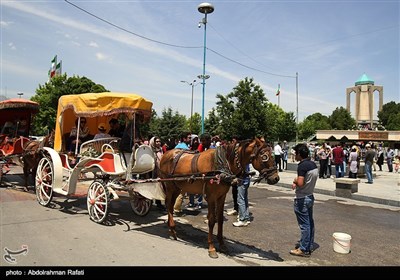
140,205
98,201
44,180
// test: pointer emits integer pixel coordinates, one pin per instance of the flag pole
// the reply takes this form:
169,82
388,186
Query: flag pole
279,100
278,92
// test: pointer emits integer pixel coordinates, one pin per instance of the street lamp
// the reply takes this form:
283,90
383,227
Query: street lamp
192,84
20,94
204,8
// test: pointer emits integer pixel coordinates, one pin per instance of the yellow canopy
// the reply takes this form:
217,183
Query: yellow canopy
97,108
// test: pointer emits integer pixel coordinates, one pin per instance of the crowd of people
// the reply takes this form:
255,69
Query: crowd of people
347,158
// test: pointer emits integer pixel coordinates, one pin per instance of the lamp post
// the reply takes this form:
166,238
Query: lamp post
192,84
20,94
204,8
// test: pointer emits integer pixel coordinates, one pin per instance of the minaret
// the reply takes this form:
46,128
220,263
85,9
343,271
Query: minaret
364,89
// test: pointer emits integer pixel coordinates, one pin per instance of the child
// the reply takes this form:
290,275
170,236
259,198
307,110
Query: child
396,164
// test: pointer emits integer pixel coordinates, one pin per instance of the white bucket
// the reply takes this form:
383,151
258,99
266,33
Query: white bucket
341,242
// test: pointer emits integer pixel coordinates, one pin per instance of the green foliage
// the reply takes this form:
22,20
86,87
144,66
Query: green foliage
286,127
194,124
313,123
394,121
341,119
388,109
212,124
242,111
171,125
47,96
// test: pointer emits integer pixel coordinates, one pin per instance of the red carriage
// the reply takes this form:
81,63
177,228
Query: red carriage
15,123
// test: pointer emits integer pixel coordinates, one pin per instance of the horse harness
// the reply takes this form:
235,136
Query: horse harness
222,171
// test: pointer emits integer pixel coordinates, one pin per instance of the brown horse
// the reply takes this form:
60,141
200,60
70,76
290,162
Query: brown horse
32,154
211,173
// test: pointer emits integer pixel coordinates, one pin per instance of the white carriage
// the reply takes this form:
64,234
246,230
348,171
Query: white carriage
110,169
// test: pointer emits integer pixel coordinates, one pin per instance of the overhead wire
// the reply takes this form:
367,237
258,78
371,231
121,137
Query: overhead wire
219,54
130,32
174,45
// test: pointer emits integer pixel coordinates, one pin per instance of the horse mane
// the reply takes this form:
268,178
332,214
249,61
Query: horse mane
33,145
231,148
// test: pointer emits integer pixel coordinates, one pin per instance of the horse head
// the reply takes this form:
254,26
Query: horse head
262,159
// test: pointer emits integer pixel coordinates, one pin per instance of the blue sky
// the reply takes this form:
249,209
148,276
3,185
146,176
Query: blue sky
330,44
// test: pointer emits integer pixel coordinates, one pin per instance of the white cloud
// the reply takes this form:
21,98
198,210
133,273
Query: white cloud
93,44
5,23
12,46
102,56
76,43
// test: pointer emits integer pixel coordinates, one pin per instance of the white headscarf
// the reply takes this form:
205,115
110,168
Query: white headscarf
193,136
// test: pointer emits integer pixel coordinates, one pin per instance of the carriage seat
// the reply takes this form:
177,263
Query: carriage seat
107,162
15,146
65,161
93,148
143,160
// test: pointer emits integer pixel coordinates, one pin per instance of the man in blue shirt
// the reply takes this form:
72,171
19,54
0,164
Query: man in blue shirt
304,185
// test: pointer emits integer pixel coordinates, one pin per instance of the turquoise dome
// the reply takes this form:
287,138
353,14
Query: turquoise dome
364,80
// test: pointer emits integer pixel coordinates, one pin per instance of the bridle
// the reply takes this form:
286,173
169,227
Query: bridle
265,171
264,150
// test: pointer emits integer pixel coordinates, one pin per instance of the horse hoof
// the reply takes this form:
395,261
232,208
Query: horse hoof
26,189
213,254
173,236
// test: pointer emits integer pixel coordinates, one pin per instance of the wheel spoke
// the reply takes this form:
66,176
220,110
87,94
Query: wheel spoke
44,181
97,201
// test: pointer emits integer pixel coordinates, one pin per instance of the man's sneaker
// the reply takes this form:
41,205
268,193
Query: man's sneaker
232,212
241,223
190,207
198,207
299,253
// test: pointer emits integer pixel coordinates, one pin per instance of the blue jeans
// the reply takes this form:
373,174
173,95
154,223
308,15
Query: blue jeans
242,199
199,199
341,172
303,208
368,171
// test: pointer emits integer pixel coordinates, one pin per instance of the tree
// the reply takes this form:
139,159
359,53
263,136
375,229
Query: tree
171,125
311,124
394,122
341,119
242,112
47,96
286,127
388,109
194,123
212,124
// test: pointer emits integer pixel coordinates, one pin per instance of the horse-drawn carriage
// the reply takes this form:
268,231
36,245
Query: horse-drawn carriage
111,169
15,121
118,170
